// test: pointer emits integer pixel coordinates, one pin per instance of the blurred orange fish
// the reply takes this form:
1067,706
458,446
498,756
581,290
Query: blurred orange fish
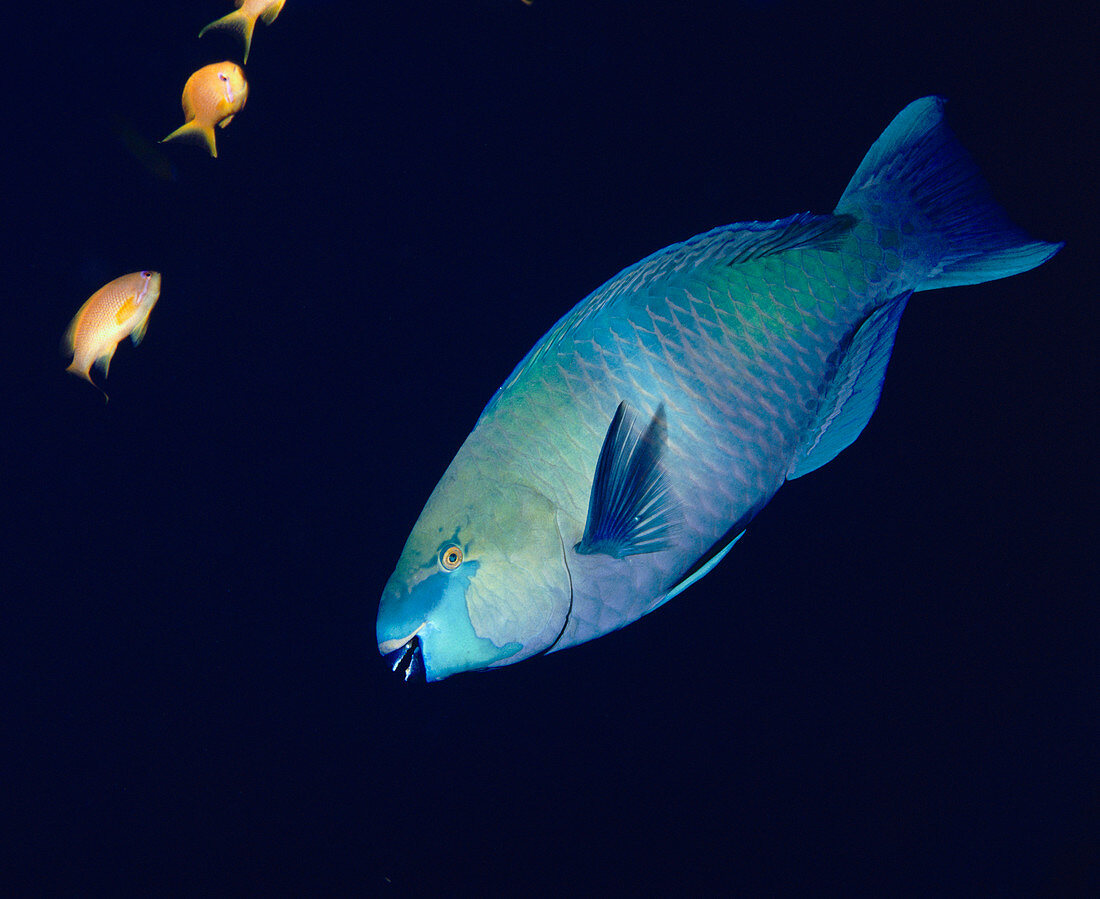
243,20
211,96
119,309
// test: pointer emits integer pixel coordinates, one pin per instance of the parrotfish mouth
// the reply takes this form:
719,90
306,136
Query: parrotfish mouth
408,660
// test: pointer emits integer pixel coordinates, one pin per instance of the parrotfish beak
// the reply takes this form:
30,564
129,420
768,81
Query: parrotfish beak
408,661
426,628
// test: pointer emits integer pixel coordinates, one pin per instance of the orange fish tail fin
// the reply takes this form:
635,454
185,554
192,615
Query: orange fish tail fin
195,130
85,372
271,13
239,22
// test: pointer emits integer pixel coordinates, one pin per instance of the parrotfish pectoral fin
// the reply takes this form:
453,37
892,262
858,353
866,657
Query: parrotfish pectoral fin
854,391
918,168
630,509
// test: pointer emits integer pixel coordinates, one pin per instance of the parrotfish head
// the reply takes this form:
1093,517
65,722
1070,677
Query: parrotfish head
482,581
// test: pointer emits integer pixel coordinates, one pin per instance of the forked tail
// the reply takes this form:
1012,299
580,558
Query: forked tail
918,178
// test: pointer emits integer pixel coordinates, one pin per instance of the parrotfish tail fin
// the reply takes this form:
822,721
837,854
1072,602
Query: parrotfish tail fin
193,130
237,21
917,177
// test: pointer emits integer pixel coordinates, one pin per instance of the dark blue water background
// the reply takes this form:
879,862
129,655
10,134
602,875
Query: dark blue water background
890,684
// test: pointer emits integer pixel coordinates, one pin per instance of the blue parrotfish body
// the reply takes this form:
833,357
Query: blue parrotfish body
631,447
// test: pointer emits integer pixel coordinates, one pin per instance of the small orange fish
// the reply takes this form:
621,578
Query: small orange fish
120,308
211,96
243,20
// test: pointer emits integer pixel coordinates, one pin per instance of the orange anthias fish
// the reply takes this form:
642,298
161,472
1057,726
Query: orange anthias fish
211,96
243,19
119,309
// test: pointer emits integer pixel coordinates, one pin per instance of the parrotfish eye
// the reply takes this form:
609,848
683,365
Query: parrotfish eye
146,274
450,557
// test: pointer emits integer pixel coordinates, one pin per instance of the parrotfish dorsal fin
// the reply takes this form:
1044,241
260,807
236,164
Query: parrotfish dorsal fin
755,240
630,509
854,390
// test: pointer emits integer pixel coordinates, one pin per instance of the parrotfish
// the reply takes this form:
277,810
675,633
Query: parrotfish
211,96
628,451
243,19
119,309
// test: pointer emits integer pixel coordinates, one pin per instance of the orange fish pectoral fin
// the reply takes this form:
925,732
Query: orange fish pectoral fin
226,120
138,334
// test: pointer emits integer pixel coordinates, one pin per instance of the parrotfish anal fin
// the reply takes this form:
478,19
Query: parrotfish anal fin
630,509
854,391
705,565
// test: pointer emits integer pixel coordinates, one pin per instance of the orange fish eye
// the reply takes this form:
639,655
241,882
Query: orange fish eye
450,557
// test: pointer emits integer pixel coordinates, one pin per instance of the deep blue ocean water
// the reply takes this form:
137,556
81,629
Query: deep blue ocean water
889,686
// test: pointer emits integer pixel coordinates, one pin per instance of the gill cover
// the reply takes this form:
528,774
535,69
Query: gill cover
482,580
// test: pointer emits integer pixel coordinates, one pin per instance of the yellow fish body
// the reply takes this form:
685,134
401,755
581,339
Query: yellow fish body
119,309
211,96
243,19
